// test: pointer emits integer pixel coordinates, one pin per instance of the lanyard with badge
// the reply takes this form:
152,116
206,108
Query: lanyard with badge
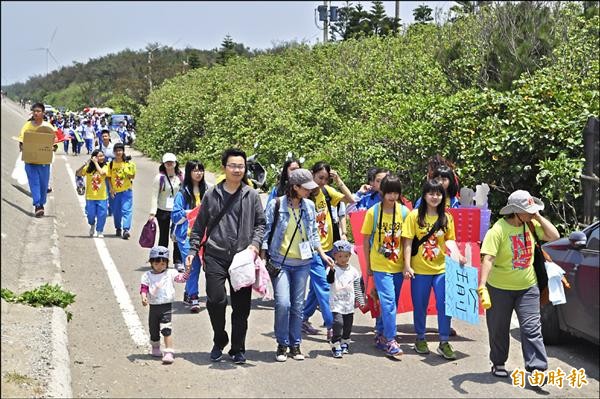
305,248
170,198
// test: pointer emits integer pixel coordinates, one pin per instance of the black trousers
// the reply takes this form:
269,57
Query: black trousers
164,225
159,321
342,326
216,271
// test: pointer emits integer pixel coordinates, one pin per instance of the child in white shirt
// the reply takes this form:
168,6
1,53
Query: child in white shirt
344,296
158,290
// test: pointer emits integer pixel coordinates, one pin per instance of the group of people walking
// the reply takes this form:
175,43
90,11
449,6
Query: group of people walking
297,235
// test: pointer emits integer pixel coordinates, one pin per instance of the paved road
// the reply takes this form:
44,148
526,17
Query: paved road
107,361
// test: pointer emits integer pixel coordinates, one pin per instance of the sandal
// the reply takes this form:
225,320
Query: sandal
499,371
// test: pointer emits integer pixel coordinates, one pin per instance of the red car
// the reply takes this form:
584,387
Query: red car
579,256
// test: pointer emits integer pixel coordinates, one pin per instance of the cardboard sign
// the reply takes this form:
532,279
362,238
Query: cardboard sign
462,301
38,145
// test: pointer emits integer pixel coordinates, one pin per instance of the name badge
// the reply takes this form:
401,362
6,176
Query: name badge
170,202
305,250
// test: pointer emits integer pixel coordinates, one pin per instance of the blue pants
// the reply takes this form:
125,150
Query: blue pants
123,202
318,292
96,213
66,145
420,289
38,177
388,287
290,288
191,285
89,144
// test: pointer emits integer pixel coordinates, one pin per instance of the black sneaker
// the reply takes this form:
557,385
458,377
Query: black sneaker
295,353
216,353
39,211
126,234
118,233
186,299
281,355
238,358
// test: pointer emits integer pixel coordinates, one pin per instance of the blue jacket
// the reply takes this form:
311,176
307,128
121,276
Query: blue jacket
308,220
178,219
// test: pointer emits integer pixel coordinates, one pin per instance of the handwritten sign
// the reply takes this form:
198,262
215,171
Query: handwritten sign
462,301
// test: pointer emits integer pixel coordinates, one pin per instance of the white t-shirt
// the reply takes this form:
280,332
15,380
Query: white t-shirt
89,133
161,286
341,296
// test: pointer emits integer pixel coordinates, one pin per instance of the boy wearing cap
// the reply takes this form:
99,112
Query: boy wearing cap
158,290
511,283
344,295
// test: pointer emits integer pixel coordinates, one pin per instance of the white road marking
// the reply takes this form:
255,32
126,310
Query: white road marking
136,330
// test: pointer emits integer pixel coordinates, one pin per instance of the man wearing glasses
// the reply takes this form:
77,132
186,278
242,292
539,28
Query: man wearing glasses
232,218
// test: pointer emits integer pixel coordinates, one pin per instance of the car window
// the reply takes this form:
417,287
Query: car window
593,242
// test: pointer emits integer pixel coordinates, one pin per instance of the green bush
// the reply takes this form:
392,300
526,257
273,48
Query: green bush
391,102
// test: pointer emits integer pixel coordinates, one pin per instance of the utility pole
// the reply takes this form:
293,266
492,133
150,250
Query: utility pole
325,23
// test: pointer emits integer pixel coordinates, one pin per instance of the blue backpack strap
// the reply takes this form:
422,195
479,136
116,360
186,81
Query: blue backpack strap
161,185
375,216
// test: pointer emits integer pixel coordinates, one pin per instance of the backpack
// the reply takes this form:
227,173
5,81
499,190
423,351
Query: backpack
403,209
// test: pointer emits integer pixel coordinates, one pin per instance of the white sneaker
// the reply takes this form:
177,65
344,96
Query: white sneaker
92,230
100,235
180,267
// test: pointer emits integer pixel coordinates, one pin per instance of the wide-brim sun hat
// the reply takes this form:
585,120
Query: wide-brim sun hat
169,157
521,201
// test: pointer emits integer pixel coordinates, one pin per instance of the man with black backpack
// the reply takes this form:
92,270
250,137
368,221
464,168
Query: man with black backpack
231,219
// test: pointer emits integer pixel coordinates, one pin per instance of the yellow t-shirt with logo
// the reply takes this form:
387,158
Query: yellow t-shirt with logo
512,269
289,232
394,263
324,223
431,258
121,175
95,184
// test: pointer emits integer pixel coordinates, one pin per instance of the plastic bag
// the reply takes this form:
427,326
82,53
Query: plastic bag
242,271
19,173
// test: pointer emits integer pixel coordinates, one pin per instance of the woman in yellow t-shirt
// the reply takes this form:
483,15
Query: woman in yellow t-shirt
325,198
508,281
434,228
96,196
382,230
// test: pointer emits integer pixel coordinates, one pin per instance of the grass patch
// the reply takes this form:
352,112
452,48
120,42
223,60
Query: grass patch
17,378
45,295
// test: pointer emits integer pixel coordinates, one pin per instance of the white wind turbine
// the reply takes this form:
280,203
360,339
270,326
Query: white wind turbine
48,51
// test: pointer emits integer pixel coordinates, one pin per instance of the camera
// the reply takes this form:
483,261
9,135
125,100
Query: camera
386,252
127,158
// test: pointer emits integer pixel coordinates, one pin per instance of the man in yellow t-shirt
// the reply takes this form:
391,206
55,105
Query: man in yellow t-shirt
38,176
324,221
121,172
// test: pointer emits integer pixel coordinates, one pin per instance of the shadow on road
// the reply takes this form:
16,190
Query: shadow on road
18,207
22,189
480,378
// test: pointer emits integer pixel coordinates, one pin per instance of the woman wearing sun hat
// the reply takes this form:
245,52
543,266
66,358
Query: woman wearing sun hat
508,281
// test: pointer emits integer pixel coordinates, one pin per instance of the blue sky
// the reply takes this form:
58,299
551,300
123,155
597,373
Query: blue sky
86,30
